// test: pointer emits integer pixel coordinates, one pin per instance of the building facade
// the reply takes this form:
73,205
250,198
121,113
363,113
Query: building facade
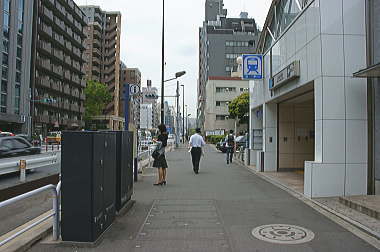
149,95
57,71
131,76
16,24
220,91
103,52
146,116
309,114
221,41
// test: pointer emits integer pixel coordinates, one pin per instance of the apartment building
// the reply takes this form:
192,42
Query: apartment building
57,69
221,41
15,56
103,52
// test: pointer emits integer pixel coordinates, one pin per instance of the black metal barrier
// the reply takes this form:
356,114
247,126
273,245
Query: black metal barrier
97,181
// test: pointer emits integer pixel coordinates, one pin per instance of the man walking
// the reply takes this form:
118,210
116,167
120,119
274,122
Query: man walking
230,145
196,143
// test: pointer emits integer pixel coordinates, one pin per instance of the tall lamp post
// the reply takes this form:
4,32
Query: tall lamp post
187,124
163,64
183,113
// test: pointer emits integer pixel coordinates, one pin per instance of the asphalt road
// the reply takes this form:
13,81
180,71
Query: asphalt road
215,210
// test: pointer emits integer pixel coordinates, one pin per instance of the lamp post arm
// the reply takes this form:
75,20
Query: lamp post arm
171,79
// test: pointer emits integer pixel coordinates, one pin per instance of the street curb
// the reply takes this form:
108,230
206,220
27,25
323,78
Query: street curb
346,222
26,240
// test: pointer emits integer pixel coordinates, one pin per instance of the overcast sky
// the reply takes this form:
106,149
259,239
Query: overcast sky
141,37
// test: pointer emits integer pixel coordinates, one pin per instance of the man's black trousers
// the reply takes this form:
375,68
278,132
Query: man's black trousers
196,153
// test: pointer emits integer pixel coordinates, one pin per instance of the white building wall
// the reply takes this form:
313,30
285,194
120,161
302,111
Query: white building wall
328,39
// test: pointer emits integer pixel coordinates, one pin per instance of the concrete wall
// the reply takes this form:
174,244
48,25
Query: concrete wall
329,40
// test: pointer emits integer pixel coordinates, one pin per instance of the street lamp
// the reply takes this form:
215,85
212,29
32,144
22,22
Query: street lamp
177,75
163,63
187,123
183,113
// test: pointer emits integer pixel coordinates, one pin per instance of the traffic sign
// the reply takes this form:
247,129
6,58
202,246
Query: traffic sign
134,89
252,66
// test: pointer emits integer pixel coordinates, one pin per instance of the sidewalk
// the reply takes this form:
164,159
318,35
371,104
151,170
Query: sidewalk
216,210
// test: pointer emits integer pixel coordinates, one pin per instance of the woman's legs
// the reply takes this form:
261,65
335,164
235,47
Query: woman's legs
160,175
163,174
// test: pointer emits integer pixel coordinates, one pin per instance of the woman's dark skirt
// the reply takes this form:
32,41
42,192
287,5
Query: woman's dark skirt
160,162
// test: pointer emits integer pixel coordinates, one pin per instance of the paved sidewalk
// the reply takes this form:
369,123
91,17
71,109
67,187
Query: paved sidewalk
215,210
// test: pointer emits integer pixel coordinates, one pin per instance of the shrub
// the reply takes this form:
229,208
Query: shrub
214,139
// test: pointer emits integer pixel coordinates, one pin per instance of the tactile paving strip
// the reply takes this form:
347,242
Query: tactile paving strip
182,225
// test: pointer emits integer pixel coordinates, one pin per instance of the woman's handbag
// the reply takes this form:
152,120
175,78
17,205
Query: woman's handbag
158,151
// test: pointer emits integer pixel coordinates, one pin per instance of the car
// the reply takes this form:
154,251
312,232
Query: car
53,137
5,134
16,146
26,137
241,141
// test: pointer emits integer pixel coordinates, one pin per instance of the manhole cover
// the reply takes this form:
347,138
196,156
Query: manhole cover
283,234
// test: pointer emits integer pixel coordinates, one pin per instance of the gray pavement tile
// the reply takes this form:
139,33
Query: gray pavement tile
183,246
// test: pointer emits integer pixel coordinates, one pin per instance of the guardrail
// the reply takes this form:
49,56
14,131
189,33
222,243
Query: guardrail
56,209
31,163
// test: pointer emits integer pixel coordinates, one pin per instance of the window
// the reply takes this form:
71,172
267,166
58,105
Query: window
225,89
19,52
4,86
18,77
18,64
244,89
5,59
222,103
221,117
3,103
4,72
8,144
5,45
20,144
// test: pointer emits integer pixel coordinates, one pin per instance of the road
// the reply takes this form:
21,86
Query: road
13,179
216,210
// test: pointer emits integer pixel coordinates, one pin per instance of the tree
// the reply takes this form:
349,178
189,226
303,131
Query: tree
97,98
239,108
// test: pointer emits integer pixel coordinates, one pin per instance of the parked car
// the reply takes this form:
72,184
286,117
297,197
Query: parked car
5,134
16,146
53,137
26,137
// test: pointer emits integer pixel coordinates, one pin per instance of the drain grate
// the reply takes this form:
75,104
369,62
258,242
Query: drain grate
283,234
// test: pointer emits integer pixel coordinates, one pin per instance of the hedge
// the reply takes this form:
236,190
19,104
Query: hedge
214,139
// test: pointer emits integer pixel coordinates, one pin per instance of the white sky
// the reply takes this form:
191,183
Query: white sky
141,37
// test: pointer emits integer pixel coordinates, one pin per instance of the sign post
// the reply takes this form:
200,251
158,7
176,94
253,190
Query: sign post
22,170
130,90
252,66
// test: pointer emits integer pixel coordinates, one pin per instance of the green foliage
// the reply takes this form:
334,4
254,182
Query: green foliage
214,139
97,98
239,108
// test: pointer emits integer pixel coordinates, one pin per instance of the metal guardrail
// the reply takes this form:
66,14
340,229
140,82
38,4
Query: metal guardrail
31,163
56,211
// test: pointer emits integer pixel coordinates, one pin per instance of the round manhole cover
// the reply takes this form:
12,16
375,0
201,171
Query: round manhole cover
283,234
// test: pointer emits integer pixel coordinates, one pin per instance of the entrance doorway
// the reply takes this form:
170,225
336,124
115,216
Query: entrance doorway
296,133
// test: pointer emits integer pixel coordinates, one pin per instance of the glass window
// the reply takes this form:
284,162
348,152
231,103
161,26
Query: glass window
8,144
20,26
19,144
6,19
19,40
18,64
5,45
18,77
6,6
5,59
19,52
4,72
4,86
218,103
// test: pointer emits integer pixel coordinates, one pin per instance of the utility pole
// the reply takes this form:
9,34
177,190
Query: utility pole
177,118
163,64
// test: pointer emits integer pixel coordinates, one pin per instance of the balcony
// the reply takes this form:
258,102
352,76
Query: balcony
110,78
47,30
60,24
77,52
112,26
44,46
111,52
109,70
47,13
83,83
57,70
44,64
71,4
59,39
68,60
64,121
51,2
96,60
111,35
58,54
67,75
96,51
82,97
76,65
97,34
95,69
81,109
66,106
75,79
43,81
69,31
56,86
74,108
68,45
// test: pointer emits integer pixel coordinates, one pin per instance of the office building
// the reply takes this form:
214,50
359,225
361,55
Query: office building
57,72
131,76
221,41
309,114
149,95
15,57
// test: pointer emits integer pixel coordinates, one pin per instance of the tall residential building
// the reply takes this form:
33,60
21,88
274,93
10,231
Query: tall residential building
103,52
57,66
131,76
15,22
221,41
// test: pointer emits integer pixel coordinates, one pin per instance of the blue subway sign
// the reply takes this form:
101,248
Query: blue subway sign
252,66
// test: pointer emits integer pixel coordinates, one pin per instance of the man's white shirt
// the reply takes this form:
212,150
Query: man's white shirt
196,140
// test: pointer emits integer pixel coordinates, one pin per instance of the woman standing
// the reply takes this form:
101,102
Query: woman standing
160,162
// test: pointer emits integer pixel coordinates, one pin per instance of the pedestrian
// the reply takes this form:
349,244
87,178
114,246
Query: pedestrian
196,143
160,162
230,146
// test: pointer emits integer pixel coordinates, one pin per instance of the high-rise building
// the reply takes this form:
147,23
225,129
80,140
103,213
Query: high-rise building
149,95
221,41
15,56
57,66
103,52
